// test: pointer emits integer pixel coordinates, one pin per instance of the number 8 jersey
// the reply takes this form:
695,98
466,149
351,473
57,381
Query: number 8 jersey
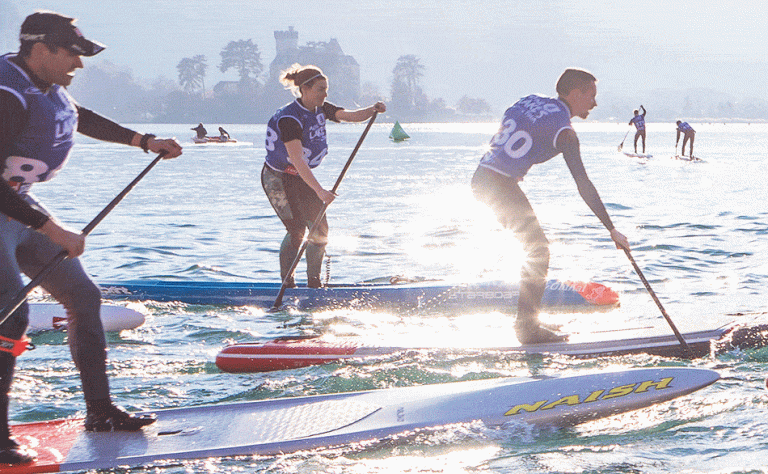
527,136
43,146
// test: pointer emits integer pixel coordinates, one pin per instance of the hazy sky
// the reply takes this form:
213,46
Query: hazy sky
491,49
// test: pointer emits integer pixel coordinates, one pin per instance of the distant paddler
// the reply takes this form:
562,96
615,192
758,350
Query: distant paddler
534,130
639,122
296,143
688,134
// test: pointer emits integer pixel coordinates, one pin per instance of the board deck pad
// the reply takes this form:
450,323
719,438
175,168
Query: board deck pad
285,425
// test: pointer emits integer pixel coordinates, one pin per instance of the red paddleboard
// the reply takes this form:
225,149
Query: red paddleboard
296,352
50,440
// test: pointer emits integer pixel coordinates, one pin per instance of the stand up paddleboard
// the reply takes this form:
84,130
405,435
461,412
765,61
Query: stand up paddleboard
687,158
286,425
637,155
50,316
292,353
391,294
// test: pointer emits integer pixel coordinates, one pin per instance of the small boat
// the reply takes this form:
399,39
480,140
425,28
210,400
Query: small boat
213,140
398,134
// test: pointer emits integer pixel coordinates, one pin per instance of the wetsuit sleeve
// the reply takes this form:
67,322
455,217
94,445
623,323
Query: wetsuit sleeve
568,144
330,111
643,114
101,128
290,129
12,117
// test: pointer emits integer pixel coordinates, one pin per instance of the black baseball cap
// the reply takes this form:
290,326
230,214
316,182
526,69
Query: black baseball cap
56,29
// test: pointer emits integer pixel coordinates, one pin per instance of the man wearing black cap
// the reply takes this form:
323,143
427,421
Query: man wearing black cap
38,120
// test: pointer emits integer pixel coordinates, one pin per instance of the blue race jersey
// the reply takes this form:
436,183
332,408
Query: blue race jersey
527,136
43,146
313,138
685,128
638,121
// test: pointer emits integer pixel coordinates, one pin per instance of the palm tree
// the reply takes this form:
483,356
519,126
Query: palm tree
200,66
408,71
192,73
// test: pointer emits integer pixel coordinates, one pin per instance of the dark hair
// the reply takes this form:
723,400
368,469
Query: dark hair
573,78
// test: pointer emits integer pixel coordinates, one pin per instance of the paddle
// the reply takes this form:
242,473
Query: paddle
658,303
621,145
279,298
22,295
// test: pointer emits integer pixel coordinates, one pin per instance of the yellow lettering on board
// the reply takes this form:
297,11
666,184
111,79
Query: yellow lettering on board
594,396
620,391
524,406
569,400
664,383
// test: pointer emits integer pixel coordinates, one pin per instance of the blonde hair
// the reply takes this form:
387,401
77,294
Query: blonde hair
297,75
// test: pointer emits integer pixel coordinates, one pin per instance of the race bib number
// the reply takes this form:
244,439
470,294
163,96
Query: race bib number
271,139
20,171
516,143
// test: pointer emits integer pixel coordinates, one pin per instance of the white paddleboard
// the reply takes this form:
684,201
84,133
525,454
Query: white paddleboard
286,425
637,155
687,158
49,316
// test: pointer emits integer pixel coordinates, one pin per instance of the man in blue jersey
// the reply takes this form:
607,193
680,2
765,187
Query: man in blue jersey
534,130
688,134
38,120
639,122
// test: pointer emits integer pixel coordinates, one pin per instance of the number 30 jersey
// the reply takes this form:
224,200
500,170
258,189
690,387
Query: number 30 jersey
527,136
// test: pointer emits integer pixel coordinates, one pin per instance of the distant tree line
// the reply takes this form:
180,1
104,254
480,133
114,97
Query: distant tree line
253,98
189,99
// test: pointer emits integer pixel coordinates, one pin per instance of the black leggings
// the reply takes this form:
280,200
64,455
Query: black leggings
504,196
297,206
640,133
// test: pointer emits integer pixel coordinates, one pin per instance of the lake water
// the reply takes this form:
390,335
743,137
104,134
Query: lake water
699,232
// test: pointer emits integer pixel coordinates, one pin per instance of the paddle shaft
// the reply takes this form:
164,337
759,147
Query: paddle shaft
621,145
38,279
319,218
658,303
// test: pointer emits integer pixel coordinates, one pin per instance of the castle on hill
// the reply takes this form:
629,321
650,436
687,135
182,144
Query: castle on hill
342,70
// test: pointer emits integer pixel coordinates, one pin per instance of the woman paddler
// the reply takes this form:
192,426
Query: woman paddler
296,143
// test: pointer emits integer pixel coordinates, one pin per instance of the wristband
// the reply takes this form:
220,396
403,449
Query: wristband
144,143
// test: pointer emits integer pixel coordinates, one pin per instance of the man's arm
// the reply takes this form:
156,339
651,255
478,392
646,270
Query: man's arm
101,128
568,144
